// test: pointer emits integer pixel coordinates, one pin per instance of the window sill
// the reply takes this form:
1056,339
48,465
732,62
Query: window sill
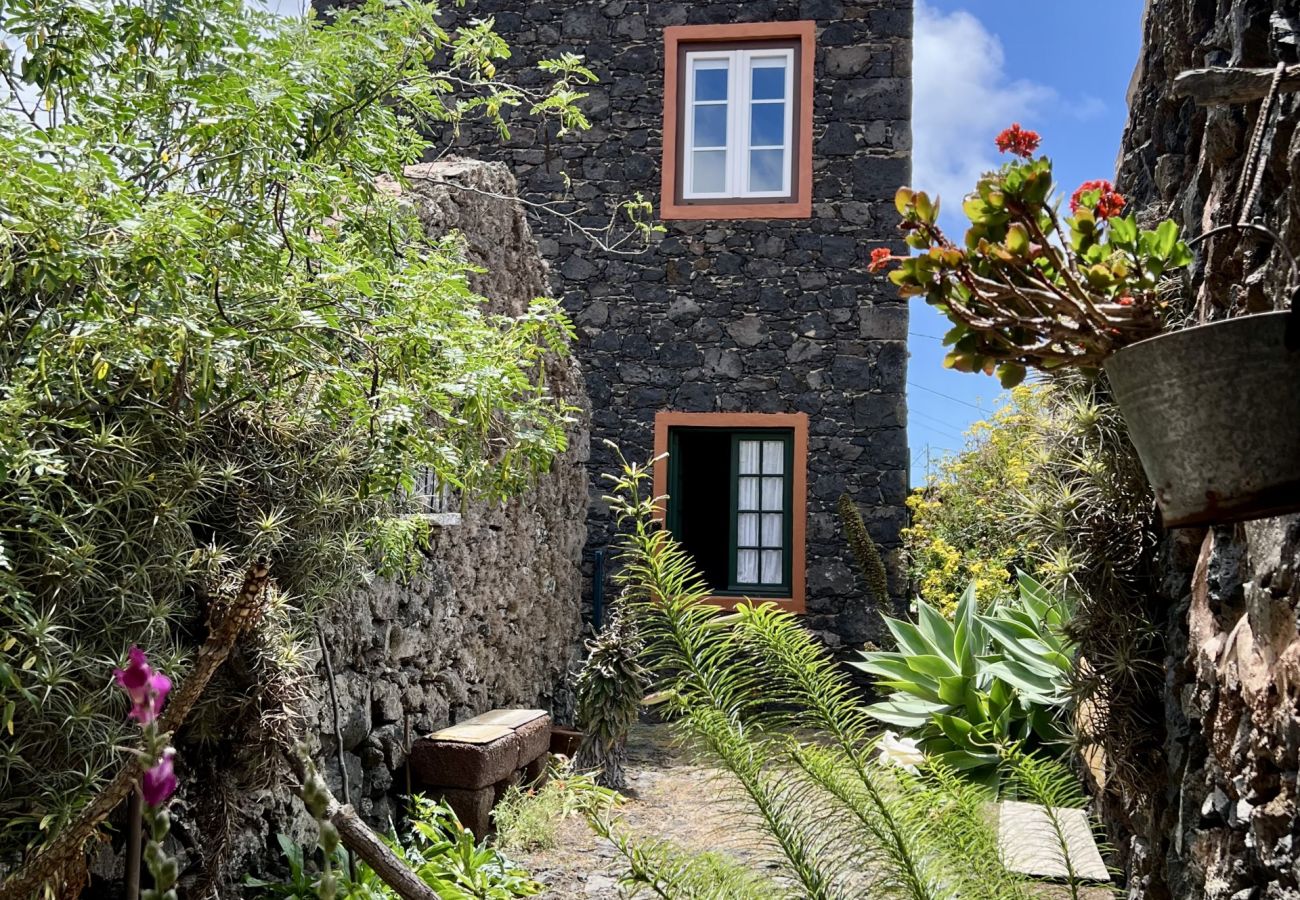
728,602
722,211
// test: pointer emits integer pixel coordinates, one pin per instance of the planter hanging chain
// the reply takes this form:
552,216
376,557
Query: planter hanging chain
1252,177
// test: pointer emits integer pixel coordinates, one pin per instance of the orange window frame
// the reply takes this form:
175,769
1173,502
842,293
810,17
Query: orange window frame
798,424
678,36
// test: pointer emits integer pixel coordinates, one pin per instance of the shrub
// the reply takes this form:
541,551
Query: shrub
964,526
865,552
610,687
756,695
981,686
223,336
437,848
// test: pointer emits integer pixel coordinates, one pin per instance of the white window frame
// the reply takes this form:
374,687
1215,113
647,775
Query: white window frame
739,65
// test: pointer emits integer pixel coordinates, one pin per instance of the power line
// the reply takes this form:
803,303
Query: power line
922,387
933,337
946,431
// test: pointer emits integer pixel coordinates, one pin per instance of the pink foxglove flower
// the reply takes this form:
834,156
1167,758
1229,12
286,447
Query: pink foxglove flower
159,782
146,688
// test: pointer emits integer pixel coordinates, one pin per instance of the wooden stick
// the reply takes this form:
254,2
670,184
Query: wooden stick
363,842
227,620
134,827
358,837
1222,85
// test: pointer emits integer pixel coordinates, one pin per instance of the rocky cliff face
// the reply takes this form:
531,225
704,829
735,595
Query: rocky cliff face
1223,824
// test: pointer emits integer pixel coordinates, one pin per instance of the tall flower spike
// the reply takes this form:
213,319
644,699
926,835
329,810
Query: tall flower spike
159,783
147,689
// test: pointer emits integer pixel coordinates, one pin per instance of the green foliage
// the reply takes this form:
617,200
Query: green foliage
662,869
1051,484
964,521
864,551
609,691
1020,298
447,858
975,688
302,883
757,696
222,335
529,818
437,848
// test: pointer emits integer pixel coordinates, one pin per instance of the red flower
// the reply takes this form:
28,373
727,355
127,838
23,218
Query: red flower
1109,203
146,688
880,259
1017,140
1126,300
159,783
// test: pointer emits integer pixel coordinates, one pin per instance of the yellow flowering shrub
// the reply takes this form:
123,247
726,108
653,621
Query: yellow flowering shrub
964,519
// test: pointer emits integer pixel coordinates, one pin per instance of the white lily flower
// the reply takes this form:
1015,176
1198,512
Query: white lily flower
902,752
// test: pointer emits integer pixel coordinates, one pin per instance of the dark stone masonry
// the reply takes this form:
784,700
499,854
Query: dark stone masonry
1225,821
755,315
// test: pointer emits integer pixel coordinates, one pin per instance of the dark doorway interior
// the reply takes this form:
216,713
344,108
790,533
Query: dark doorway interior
701,507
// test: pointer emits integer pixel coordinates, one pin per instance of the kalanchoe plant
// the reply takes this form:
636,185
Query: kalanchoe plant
148,692
1029,287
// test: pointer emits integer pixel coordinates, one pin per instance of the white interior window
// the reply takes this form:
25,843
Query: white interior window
737,124
760,513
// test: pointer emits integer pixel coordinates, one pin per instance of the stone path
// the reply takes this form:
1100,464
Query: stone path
672,798
668,797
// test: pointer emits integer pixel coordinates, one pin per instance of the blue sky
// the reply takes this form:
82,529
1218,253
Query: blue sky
1060,68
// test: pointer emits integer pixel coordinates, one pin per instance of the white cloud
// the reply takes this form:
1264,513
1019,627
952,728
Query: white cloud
962,98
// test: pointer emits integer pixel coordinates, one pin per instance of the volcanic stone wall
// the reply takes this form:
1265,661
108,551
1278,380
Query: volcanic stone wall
753,316
1225,821
491,620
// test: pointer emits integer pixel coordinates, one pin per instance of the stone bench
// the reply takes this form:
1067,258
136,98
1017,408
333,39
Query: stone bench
471,764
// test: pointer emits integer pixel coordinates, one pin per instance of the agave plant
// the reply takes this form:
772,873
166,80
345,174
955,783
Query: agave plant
973,688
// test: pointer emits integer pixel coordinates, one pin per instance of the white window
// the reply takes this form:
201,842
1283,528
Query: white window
738,128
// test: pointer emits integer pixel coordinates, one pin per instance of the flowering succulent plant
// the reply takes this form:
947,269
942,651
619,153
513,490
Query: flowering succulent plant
1028,288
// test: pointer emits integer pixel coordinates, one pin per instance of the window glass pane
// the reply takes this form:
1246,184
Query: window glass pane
773,492
772,530
766,125
747,530
766,170
773,458
768,80
747,566
711,83
771,567
749,457
710,172
711,125
748,498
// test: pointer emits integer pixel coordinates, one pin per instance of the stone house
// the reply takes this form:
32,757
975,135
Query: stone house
748,341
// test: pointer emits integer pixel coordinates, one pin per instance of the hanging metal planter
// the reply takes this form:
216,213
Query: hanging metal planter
1214,412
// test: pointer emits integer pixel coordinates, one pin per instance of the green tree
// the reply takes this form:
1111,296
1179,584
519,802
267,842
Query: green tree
224,335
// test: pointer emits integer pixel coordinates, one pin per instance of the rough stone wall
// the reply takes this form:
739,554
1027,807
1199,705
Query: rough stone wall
755,316
1225,822
492,619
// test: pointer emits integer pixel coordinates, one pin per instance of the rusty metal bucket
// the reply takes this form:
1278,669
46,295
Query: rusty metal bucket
1214,412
